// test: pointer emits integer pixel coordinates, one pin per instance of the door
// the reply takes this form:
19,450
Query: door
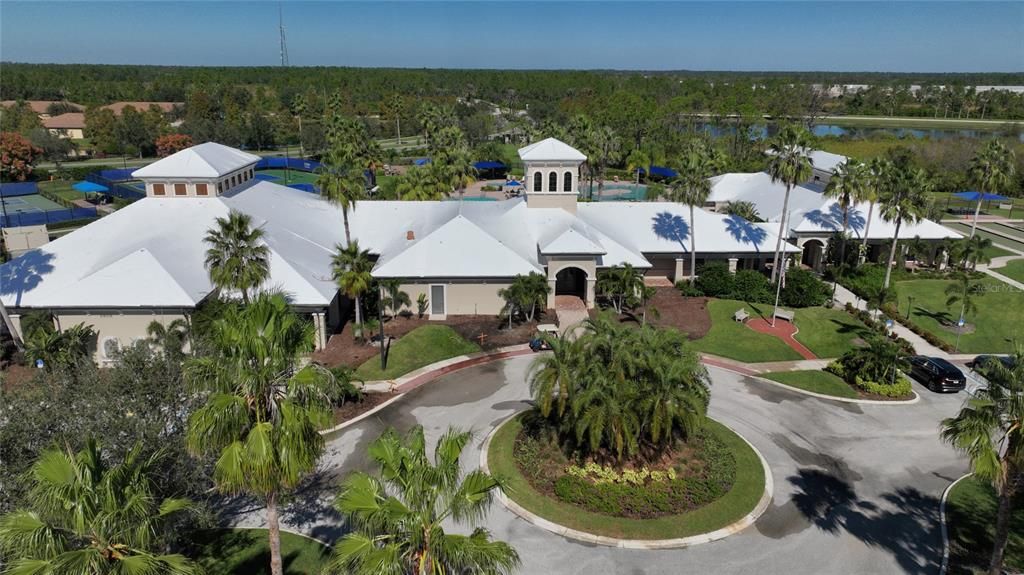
437,306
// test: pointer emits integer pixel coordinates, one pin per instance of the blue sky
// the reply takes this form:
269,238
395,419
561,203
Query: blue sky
847,36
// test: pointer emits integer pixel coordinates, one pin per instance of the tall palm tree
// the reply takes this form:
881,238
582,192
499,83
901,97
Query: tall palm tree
350,267
789,163
398,519
620,284
604,146
692,186
963,291
991,170
846,185
551,375
637,160
88,515
263,413
744,209
988,430
869,193
237,258
341,182
903,196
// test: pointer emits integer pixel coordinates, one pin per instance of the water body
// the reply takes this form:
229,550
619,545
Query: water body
763,131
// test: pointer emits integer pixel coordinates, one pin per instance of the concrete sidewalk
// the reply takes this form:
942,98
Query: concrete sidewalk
844,296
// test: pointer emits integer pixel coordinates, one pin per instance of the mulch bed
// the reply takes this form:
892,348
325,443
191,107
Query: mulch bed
687,314
353,409
342,349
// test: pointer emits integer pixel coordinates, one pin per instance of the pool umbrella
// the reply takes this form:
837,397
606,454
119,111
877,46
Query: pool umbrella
90,187
977,197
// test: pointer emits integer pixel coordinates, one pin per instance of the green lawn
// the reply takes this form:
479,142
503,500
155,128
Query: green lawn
740,500
1013,270
1008,230
1012,244
828,332
421,346
971,515
989,208
816,381
998,319
246,552
729,338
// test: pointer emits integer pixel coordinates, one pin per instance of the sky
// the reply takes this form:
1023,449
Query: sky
829,36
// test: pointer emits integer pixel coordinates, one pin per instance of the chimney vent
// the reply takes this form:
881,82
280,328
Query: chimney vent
410,235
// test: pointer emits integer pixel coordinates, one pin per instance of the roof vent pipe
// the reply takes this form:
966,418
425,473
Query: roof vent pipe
410,235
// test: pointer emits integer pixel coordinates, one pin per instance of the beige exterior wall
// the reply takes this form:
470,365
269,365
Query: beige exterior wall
461,298
125,328
589,266
552,200
225,183
69,133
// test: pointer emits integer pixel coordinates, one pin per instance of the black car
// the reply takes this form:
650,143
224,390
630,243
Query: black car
981,360
937,374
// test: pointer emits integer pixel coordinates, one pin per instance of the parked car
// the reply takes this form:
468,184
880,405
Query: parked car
937,374
981,360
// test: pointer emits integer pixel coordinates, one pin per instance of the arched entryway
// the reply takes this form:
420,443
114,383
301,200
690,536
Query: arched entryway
571,281
814,251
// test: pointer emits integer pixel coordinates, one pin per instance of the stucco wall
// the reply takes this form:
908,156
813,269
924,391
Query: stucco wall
461,298
124,327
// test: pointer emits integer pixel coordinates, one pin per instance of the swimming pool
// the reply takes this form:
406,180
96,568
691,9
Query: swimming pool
472,199
616,192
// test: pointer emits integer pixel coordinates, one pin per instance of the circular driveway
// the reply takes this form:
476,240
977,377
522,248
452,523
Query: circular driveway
857,487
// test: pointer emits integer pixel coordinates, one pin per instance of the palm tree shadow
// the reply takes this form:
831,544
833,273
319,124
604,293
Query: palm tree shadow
745,232
860,331
672,227
24,273
247,549
942,317
907,528
832,219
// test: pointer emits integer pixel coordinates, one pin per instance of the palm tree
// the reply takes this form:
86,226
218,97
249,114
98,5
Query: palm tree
846,185
88,515
263,413
975,250
398,519
744,209
903,197
620,283
551,375
605,150
962,291
341,182
869,193
170,338
988,430
237,258
351,267
637,160
789,163
692,186
513,297
992,171
392,297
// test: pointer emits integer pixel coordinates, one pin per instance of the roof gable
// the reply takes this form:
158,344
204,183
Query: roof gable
572,242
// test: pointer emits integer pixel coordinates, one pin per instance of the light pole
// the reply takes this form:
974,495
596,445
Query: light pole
782,274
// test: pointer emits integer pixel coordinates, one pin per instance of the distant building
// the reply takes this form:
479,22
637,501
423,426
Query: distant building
40,107
70,125
165,107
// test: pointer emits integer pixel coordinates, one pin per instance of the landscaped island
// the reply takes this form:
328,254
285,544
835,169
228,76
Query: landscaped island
620,444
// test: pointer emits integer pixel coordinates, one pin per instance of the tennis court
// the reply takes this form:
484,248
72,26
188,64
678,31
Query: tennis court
285,177
30,203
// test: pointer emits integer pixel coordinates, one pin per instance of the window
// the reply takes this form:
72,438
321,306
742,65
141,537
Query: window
536,181
553,182
179,190
567,182
233,184
220,187
201,190
158,190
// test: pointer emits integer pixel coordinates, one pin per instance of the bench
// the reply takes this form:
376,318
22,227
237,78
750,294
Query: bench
785,314
741,315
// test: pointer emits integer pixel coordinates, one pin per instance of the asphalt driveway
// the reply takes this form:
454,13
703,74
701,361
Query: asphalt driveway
857,487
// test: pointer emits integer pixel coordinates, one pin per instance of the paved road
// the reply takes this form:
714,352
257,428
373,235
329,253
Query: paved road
856,487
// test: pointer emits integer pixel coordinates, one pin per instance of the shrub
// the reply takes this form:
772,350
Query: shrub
689,290
803,289
715,280
751,286
900,388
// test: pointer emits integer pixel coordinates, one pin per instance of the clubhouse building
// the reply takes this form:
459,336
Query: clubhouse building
145,262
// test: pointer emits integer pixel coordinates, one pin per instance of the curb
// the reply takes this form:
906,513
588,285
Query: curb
425,374
646,544
756,376
944,526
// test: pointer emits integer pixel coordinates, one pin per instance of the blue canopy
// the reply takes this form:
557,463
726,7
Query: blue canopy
512,184
661,171
975,196
87,187
421,161
487,165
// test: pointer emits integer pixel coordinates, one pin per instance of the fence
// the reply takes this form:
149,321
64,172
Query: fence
304,187
288,163
116,175
113,185
15,189
14,220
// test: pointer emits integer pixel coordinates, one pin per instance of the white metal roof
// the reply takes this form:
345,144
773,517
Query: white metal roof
209,160
826,161
572,242
551,149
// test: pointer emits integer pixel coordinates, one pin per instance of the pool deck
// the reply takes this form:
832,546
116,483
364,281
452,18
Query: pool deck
613,191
